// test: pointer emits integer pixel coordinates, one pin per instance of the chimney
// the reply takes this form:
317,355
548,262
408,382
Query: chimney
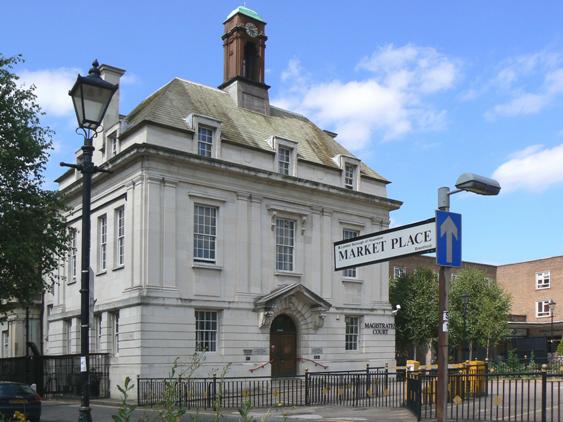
112,75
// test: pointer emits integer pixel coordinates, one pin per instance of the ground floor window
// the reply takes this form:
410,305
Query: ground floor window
352,332
206,324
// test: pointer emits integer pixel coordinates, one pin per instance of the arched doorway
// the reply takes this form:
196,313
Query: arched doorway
283,347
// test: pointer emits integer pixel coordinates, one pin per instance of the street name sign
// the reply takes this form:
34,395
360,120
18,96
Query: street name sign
448,234
412,239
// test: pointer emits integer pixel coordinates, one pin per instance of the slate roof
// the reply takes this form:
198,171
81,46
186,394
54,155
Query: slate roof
171,104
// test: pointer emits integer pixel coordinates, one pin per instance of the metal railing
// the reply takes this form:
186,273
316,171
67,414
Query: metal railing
58,375
527,396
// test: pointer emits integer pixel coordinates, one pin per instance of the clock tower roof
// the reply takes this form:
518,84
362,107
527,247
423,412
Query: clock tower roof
247,12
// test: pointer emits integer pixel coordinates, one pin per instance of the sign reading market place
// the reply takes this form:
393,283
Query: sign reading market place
412,239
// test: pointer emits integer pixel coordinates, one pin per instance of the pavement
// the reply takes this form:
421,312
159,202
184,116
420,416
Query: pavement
102,410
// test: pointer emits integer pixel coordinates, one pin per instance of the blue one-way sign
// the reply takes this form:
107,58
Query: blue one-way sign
448,235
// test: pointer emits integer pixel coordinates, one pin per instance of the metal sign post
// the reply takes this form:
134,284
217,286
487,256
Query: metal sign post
448,254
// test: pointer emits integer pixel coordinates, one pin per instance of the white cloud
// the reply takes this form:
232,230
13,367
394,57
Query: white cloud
532,82
390,102
535,168
52,86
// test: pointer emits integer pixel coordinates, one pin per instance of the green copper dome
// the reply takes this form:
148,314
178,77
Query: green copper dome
245,11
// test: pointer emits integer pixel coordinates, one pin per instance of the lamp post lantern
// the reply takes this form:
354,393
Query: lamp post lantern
91,96
468,182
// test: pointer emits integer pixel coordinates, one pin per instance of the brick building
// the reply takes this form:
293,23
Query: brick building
536,288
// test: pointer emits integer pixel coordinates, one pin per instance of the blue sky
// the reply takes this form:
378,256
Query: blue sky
420,91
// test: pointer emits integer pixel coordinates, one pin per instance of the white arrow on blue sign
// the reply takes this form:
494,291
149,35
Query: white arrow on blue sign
448,235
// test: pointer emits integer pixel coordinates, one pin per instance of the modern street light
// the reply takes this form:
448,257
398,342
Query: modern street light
551,305
464,301
480,185
91,96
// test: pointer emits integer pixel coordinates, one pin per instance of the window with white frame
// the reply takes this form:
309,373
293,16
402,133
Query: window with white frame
115,345
399,272
67,323
120,237
5,343
98,332
114,145
47,324
543,280
285,244
352,332
204,141
349,176
102,242
350,234
72,257
205,233
284,160
543,309
206,327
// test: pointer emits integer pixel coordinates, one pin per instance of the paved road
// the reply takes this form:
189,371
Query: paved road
67,410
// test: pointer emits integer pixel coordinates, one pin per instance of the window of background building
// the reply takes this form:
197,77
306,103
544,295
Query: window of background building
399,272
284,160
102,242
349,171
204,141
47,325
206,324
115,345
120,237
285,244
114,145
350,234
72,258
5,344
205,233
542,308
352,332
98,332
543,280
67,323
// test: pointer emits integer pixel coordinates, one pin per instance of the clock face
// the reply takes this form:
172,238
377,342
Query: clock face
251,29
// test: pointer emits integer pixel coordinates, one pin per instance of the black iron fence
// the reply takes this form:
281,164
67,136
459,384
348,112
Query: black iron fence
530,396
369,387
58,375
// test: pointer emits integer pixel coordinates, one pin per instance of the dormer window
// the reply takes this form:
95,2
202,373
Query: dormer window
204,141
349,176
114,145
284,160
207,135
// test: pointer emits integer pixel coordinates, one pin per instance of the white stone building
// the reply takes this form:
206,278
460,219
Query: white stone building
214,232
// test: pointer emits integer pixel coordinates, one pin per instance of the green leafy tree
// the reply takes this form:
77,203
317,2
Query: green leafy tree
416,322
32,232
488,307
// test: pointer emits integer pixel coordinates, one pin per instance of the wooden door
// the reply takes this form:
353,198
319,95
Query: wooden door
283,347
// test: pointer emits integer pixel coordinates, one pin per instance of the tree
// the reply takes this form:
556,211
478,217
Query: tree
416,323
488,307
33,234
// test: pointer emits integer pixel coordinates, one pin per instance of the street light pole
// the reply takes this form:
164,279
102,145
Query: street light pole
471,183
91,96
551,304
464,300
442,387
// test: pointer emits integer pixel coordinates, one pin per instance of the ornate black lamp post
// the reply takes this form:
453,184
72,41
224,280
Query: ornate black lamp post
91,96
465,301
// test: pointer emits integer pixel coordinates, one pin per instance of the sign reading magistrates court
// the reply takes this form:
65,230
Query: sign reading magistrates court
412,239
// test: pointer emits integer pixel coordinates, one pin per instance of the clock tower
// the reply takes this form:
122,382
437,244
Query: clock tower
244,43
